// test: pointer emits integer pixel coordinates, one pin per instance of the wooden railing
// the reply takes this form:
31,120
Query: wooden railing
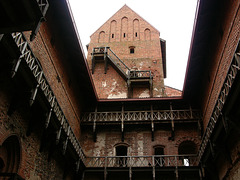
128,73
140,74
223,95
143,116
142,161
42,84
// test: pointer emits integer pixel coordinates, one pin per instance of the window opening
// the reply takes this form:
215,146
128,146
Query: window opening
124,35
136,34
121,151
132,50
187,148
112,35
159,160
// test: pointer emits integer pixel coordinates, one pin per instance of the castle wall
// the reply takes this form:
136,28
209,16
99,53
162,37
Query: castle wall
30,162
138,140
123,31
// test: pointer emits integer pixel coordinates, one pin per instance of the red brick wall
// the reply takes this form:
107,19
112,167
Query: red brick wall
147,55
139,140
33,163
51,58
223,49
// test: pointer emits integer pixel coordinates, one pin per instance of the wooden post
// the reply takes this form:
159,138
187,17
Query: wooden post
105,59
105,169
94,125
49,114
122,123
153,166
152,123
59,131
66,141
172,122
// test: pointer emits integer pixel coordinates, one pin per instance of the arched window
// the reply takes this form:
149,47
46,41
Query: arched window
113,26
101,36
187,148
10,155
147,34
124,29
136,33
121,153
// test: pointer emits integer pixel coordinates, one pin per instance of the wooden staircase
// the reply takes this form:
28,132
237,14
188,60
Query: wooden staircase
132,77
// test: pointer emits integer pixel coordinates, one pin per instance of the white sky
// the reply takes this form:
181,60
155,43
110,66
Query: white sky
173,18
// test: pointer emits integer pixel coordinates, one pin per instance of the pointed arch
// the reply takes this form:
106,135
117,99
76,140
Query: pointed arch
101,37
113,30
136,29
10,155
124,28
147,34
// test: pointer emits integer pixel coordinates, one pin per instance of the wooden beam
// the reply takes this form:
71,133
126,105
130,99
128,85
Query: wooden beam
105,60
33,95
152,123
122,124
94,126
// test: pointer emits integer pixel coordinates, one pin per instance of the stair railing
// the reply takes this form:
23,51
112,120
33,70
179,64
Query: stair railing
118,61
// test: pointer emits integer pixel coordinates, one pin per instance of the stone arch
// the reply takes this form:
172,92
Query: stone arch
113,30
147,34
185,149
101,37
136,29
124,28
10,155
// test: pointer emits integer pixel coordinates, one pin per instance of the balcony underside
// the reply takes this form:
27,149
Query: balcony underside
22,15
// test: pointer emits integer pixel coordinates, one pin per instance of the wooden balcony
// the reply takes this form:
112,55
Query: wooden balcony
141,117
152,166
29,69
22,15
151,117
142,161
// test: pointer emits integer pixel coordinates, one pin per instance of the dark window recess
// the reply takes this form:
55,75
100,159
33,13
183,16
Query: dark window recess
136,34
159,161
112,35
131,50
124,35
121,151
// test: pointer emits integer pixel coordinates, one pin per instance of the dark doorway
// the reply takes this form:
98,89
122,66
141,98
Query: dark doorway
121,151
158,152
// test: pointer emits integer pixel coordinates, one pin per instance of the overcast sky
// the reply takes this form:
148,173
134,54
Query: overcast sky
173,18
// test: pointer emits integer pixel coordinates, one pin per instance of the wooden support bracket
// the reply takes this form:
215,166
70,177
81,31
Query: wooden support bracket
33,95
105,60
78,165
59,131
15,67
66,141
49,114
